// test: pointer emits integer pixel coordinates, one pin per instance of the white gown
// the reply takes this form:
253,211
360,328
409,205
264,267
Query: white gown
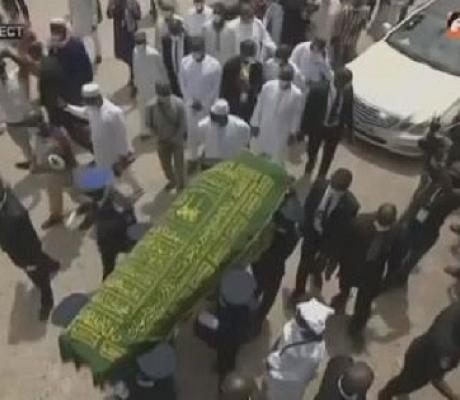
194,22
222,45
199,81
256,31
83,16
292,369
277,115
148,70
224,143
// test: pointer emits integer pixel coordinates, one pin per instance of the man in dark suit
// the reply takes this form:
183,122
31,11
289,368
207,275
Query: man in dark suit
429,358
369,248
242,80
19,240
329,210
269,269
328,117
174,46
428,213
345,379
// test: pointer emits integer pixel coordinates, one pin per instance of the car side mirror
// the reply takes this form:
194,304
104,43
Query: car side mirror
387,27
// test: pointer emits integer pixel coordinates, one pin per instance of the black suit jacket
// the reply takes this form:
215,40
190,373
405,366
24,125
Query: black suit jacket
168,61
231,88
357,242
316,108
332,238
329,389
18,237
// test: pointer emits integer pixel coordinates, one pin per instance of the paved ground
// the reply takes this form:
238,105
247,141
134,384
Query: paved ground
31,368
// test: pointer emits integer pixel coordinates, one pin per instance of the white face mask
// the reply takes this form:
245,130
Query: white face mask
381,228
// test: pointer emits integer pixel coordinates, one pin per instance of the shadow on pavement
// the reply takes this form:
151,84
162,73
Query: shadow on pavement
68,308
123,99
251,359
28,190
63,245
146,146
379,157
158,206
24,324
398,322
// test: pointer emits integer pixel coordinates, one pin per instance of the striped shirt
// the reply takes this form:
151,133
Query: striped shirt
349,23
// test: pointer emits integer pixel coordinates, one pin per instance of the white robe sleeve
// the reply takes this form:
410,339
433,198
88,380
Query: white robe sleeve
296,56
120,134
298,111
183,83
211,93
161,70
77,111
257,114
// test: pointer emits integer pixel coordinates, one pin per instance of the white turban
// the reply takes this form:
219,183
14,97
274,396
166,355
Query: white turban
315,314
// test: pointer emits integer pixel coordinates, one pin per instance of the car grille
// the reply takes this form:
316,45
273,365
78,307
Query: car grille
369,115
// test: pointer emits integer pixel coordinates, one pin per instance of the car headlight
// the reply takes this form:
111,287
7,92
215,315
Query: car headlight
413,129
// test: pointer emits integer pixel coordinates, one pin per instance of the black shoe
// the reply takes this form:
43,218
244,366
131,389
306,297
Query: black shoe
23,165
192,166
98,60
53,220
455,228
45,311
169,186
87,222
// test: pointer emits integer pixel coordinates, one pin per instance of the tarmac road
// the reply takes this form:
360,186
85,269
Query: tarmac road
31,368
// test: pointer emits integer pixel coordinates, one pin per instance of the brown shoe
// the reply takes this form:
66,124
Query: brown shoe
455,228
52,220
453,270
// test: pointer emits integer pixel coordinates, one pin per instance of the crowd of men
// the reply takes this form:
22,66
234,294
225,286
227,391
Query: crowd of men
258,76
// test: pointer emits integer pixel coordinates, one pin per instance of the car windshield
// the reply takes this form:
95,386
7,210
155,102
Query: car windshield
423,38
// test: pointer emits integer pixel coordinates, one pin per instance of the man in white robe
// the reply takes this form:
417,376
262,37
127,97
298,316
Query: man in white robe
224,136
313,61
219,38
295,358
273,20
84,19
108,134
199,79
197,17
148,69
276,118
323,19
247,26
273,66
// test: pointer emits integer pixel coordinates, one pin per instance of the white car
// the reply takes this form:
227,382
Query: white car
405,79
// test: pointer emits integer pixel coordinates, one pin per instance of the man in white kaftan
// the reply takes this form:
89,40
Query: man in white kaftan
313,62
148,69
293,362
323,19
199,79
108,134
197,17
84,19
219,38
224,136
247,26
276,118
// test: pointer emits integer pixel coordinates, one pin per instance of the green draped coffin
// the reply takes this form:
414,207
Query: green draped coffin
216,221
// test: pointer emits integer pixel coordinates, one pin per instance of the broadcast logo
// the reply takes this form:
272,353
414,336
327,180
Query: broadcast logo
453,25
11,31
